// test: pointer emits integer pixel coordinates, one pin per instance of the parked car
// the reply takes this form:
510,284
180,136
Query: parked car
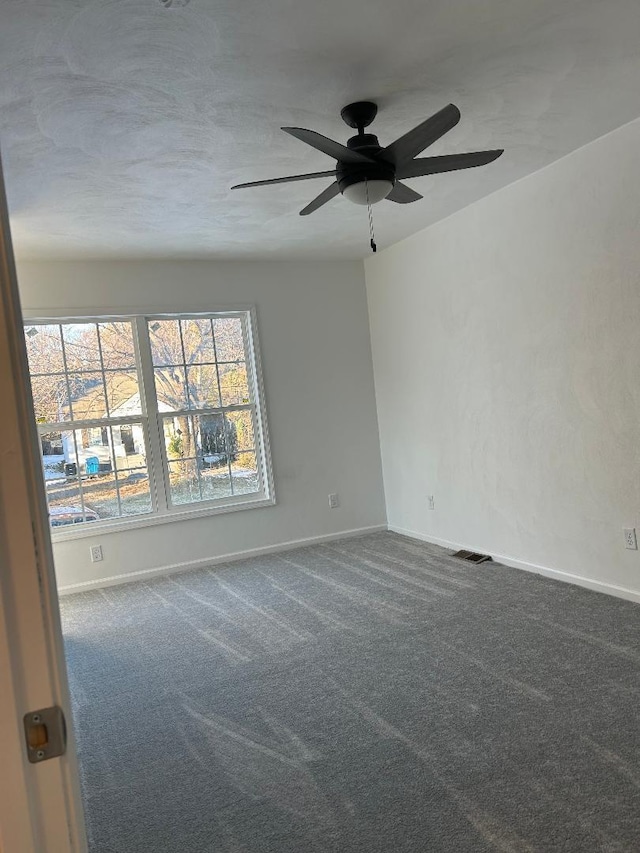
61,516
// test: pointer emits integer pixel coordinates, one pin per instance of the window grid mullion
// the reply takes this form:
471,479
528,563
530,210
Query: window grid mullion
156,463
187,397
63,426
78,478
180,364
224,418
66,371
184,365
73,432
107,402
115,469
183,413
199,459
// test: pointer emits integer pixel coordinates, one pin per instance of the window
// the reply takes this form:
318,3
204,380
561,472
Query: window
143,418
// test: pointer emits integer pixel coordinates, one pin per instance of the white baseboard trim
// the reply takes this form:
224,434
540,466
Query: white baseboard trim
556,574
207,562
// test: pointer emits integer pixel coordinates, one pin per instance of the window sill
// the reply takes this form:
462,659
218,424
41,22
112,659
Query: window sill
102,528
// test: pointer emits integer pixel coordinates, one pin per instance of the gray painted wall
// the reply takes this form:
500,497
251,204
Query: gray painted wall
314,335
506,346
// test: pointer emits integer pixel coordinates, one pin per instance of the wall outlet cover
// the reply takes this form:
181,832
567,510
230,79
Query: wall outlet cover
96,553
630,539
334,501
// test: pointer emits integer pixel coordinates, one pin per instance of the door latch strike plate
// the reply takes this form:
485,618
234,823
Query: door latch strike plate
45,734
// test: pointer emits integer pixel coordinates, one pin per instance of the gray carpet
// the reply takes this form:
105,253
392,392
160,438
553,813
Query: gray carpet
368,695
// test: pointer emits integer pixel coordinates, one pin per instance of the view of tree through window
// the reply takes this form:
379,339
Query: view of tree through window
202,387
95,408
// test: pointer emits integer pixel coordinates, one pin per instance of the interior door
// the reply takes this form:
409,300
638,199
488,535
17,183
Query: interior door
40,806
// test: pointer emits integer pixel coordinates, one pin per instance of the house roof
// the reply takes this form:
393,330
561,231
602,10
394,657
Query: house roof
123,395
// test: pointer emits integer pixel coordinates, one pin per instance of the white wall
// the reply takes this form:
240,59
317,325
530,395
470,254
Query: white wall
506,345
314,336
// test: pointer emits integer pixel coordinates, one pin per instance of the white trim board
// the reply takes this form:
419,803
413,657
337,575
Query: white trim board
190,565
206,562
555,574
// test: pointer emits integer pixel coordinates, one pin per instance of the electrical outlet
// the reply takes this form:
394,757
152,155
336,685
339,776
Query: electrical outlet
630,540
334,501
432,501
96,553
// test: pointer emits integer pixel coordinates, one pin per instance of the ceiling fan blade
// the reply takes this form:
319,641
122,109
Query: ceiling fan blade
325,196
447,163
327,146
403,194
286,180
425,134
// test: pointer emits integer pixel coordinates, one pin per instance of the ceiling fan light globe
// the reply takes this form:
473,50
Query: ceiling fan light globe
371,192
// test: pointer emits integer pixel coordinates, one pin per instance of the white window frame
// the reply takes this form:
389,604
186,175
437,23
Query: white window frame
151,418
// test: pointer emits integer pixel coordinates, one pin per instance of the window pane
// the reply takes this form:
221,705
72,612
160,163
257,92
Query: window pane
100,494
244,471
58,487
180,437
52,453
198,341
170,388
201,436
203,386
44,348
166,345
50,398
184,481
88,400
240,431
62,479
81,346
93,451
135,497
117,345
123,393
233,384
215,482
128,446
65,505
211,440
229,339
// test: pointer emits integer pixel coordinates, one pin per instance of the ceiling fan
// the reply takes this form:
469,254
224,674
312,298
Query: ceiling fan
365,172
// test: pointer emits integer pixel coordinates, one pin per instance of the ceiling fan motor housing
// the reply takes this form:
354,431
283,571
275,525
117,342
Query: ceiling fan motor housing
348,174
367,143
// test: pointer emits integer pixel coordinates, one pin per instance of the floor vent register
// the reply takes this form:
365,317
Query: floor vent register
473,557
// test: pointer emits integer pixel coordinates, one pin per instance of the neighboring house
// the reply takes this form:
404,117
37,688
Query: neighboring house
127,440
101,441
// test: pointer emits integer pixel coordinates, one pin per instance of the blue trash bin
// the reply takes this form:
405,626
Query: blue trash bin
92,465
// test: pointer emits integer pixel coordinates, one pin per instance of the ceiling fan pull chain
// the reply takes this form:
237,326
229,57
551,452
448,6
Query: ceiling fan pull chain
374,248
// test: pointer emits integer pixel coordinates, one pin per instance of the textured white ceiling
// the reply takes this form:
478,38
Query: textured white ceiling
123,123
